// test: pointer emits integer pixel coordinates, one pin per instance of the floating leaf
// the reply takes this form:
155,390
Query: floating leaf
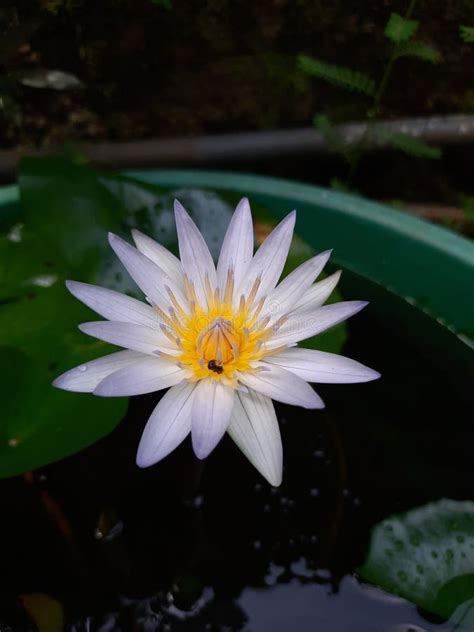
69,197
38,341
399,29
60,233
351,80
426,555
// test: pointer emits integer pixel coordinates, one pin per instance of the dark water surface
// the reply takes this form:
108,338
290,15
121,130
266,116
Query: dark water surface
211,546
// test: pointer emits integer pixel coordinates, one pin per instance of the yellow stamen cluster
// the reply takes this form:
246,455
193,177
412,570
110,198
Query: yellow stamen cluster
218,340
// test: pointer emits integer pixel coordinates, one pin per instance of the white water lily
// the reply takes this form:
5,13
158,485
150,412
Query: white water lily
223,338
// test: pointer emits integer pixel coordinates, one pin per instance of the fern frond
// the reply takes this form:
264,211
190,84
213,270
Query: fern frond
351,80
399,29
408,144
467,33
419,50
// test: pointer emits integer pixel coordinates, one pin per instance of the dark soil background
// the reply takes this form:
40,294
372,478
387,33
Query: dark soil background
215,65
167,68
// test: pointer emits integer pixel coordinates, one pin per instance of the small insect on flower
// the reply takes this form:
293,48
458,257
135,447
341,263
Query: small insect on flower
222,337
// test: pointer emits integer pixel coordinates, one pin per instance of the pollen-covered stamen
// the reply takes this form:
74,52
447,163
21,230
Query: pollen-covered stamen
229,286
190,292
260,325
169,334
218,341
253,293
179,310
209,292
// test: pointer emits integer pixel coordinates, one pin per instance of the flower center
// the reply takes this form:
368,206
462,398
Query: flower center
219,340
219,343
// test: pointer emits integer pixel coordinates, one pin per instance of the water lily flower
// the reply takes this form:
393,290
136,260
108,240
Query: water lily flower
223,338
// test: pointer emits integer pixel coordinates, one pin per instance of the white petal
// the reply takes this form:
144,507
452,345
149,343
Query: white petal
145,376
304,323
237,247
151,279
160,255
212,408
270,258
168,426
85,377
282,386
194,254
113,305
323,367
287,294
318,293
129,336
254,428
146,274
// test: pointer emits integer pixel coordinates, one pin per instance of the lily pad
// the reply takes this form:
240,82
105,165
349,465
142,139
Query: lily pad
426,555
60,232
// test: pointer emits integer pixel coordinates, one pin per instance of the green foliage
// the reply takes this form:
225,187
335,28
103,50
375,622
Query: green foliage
59,233
409,144
399,29
351,80
425,555
467,33
418,50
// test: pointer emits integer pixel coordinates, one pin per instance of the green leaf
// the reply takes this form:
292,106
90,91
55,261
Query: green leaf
467,33
408,144
419,50
61,233
69,197
398,29
38,341
351,80
426,555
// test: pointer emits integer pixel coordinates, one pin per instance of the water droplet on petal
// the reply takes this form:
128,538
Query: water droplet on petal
83,368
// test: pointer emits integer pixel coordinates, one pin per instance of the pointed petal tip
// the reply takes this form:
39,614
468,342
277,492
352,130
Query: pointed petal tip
70,285
274,481
243,206
179,209
199,452
57,382
372,375
143,460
